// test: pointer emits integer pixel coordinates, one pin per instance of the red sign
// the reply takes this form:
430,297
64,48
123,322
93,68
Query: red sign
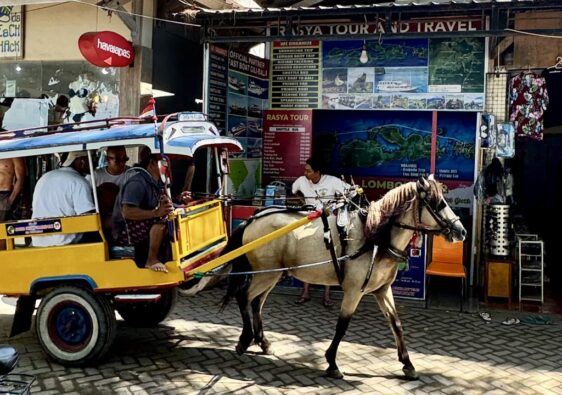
106,49
287,144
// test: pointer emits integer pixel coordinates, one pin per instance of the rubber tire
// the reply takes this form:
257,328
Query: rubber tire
94,308
148,314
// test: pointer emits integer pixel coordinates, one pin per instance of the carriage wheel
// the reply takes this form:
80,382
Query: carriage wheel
75,326
148,314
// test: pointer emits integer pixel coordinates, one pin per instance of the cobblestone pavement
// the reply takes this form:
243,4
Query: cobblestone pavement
193,353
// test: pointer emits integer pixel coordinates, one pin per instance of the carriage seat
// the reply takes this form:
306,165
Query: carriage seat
8,359
446,261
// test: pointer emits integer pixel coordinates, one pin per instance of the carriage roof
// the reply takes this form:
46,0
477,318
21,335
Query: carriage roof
181,133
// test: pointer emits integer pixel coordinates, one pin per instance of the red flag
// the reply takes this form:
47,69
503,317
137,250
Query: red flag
150,110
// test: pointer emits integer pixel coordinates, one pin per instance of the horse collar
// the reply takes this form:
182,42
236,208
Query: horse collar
397,255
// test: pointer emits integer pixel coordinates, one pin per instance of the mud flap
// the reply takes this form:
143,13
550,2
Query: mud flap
22,318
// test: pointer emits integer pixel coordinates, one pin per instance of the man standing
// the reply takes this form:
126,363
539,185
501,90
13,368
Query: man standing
12,175
316,188
63,192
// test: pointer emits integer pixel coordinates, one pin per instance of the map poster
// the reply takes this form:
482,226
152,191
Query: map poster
395,144
410,280
295,74
218,68
287,144
405,74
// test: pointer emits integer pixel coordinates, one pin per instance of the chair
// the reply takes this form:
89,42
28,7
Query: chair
446,261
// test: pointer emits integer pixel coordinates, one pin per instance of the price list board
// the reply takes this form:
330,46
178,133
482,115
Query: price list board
287,144
295,74
218,85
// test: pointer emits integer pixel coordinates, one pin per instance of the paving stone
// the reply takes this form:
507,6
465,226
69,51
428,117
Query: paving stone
193,353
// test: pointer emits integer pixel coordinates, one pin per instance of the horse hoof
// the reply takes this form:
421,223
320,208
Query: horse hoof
239,349
334,374
410,373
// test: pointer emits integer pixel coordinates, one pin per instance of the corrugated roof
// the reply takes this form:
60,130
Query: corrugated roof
396,5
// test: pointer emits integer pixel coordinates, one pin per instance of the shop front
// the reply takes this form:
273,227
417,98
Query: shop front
381,102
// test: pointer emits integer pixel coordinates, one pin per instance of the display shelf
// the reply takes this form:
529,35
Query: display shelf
530,258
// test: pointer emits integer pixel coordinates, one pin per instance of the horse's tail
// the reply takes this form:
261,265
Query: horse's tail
236,283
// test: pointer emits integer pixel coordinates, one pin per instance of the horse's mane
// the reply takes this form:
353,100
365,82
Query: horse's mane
394,203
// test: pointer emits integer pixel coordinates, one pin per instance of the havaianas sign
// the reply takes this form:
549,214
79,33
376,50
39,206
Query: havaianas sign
410,26
106,49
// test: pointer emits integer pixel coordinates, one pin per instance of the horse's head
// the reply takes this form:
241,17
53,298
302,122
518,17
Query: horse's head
434,211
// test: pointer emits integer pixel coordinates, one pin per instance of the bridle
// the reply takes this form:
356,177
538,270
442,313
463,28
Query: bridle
445,225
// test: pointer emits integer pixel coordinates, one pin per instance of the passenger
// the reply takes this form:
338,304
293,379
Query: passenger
63,192
109,180
140,212
115,171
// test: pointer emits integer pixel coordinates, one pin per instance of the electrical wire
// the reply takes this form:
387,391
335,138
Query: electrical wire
532,34
133,14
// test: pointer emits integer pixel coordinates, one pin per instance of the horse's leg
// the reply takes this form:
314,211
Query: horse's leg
385,300
257,305
351,299
247,335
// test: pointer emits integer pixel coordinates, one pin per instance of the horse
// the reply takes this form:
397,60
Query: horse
391,224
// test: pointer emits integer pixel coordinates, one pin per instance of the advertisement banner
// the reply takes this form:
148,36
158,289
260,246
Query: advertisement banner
218,75
410,280
405,74
295,74
11,31
395,144
287,144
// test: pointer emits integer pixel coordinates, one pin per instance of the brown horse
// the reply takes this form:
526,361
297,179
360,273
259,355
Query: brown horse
389,223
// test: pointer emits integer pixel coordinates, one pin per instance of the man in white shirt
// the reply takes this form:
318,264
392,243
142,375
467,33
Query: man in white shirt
115,171
63,192
316,188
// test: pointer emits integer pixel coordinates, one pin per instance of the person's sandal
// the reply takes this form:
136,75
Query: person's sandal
328,303
302,300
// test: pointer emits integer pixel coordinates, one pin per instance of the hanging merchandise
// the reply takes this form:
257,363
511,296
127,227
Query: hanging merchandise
528,101
487,128
505,140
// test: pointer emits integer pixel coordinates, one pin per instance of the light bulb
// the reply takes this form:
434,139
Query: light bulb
364,58
18,68
104,71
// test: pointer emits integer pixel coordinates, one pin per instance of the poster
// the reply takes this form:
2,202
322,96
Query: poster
395,144
410,280
218,75
295,74
247,93
405,74
12,30
287,144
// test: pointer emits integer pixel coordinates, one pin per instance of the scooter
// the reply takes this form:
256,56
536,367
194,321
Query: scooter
12,383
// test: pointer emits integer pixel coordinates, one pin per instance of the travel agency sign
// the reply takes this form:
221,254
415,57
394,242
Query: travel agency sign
106,49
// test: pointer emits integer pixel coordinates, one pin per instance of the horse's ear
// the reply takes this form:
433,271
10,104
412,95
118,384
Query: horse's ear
422,186
431,177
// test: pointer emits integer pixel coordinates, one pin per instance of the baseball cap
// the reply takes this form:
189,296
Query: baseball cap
72,156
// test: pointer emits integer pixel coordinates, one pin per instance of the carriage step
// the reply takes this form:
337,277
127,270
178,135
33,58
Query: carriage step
137,298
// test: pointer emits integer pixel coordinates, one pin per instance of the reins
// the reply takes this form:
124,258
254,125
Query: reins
363,249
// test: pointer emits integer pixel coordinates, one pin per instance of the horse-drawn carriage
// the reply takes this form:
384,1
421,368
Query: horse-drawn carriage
81,285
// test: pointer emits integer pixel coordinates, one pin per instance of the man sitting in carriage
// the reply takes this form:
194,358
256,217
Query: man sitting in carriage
140,213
